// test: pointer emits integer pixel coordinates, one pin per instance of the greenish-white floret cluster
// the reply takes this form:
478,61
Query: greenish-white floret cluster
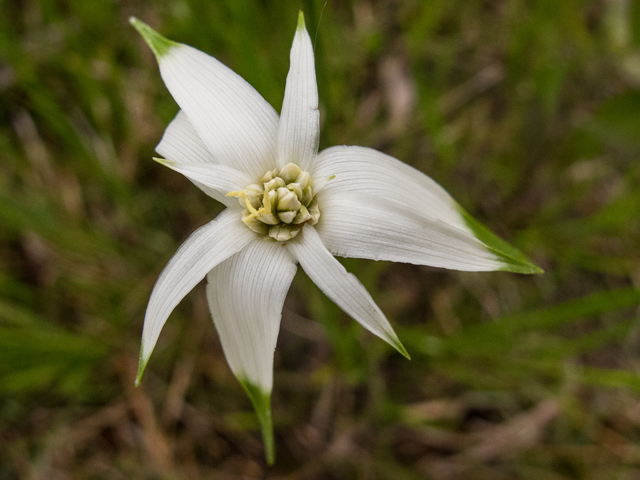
280,203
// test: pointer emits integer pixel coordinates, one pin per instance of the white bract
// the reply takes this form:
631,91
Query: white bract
288,204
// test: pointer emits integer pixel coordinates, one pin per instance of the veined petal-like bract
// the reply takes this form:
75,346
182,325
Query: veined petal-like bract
288,204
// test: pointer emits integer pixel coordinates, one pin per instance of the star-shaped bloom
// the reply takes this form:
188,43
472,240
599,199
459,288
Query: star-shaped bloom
288,204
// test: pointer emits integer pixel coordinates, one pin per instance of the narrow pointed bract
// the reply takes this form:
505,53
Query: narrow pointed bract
342,287
246,293
288,204
299,129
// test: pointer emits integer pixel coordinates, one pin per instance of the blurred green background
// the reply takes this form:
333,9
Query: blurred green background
527,112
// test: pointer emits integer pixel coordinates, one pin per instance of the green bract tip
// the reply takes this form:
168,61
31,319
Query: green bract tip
513,260
403,351
301,25
142,364
158,44
163,161
262,405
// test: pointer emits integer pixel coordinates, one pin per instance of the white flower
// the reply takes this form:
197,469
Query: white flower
288,204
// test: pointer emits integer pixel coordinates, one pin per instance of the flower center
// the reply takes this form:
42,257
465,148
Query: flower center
280,204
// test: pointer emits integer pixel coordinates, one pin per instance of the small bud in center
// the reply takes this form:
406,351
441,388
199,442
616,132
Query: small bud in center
254,194
289,173
287,200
